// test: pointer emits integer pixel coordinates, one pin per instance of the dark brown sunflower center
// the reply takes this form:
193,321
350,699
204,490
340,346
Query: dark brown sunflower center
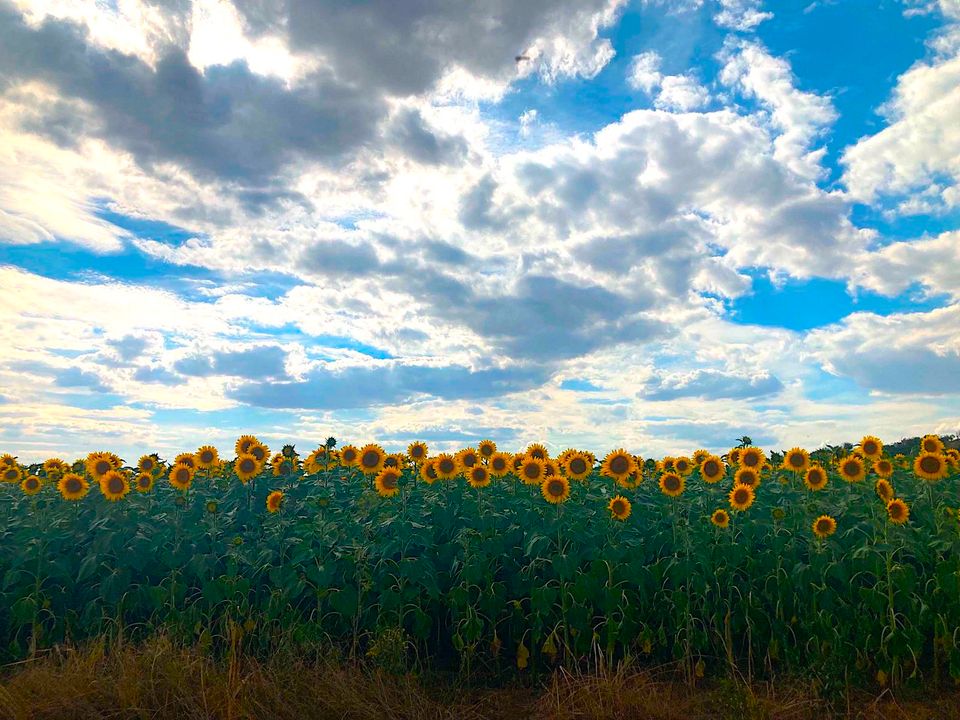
247,465
896,511
537,453
711,468
417,451
681,465
671,482
10,473
447,466
183,475
851,468
431,472
144,481
930,445
115,485
486,450
206,456
370,459
479,474
390,462
823,526
102,467
531,470
555,488
619,465
498,464
870,447
619,507
147,464
258,452
796,460
741,496
815,477
32,483
578,465
389,480
469,460
930,464
751,459
73,485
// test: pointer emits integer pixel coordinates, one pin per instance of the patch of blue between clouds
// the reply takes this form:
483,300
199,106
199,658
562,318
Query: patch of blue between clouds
807,304
580,386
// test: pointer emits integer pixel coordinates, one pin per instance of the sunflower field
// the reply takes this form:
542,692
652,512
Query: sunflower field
838,565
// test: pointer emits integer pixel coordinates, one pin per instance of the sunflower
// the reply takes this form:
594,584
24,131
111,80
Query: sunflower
73,486
395,460
741,497
428,471
187,459
883,467
371,459
417,451
532,470
930,466
824,526
499,464
244,443
898,511
666,464
852,469
796,460
672,484
618,464
7,460
953,456
577,467
143,482
114,485
11,474
349,456
733,457
99,464
312,463
871,447
931,444
259,451
487,448
54,467
556,489
478,476
683,465
31,485
538,451
181,476
700,455
467,458
446,466
884,490
619,507
147,463
274,501
815,478
246,468
550,467
747,476
207,456
752,457
720,518
631,481
387,482
565,455
711,469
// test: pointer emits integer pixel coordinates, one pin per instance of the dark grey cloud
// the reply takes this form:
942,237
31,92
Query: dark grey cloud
409,132
129,347
901,370
254,363
377,385
339,258
710,384
161,375
71,377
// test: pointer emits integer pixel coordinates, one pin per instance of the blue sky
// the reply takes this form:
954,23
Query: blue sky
668,225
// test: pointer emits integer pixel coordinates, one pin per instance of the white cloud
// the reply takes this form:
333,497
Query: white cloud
669,92
933,263
743,15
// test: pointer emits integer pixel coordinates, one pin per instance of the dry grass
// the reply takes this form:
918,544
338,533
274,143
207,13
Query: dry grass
161,680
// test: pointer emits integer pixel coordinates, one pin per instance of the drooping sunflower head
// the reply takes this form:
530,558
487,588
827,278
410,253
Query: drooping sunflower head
349,456
619,507
883,467
815,478
207,456
752,457
720,518
114,485
852,469
274,501
31,485
487,448
618,464
741,497
931,444
884,490
930,466
712,469
11,474
577,466
672,484
824,526
371,459
733,456
181,476
683,465
246,467
871,447
313,462
387,482
631,481
468,457
532,470
796,460
187,459
538,451
499,464
555,489
73,486
478,476
898,511
428,471
144,482
747,476
417,451
446,466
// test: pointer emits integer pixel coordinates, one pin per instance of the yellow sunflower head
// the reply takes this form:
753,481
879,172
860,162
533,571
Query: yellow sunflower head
487,448
11,474
446,466
499,464
577,466
665,464
884,490
871,447
824,526
741,497
417,451
207,456
683,465
274,501
478,476
619,507
181,476
883,467
73,486
395,460
99,464
796,460
260,451
733,456
114,485
246,467
147,463
631,481
244,443
555,489
720,518
815,478
852,468
6,460
898,511
144,482
747,476
370,459
752,457
54,467
618,464
467,458
700,455
672,484
387,482
931,444
31,485
930,466
187,459
428,471
538,451
712,469
532,470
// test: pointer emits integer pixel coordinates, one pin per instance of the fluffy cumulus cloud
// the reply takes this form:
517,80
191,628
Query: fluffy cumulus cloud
307,218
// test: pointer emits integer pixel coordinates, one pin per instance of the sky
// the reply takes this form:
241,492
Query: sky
591,223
